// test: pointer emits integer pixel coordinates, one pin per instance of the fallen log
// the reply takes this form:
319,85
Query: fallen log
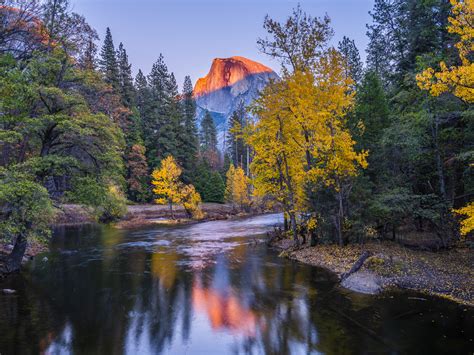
357,265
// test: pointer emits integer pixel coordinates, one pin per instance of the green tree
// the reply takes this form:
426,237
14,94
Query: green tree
127,90
188,139
239,152
108,62
25,215
209,183
208,141
160,119
349,51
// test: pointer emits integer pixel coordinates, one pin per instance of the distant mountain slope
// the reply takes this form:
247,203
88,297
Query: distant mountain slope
229,82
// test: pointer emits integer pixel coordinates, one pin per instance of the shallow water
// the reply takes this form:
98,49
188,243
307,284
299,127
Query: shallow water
208,288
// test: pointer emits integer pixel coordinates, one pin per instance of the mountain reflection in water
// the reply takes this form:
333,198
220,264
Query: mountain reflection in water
208,289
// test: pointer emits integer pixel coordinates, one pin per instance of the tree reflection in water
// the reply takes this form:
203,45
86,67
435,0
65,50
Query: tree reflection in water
176,291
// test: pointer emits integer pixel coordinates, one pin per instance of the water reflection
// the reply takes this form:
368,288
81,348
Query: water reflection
209,289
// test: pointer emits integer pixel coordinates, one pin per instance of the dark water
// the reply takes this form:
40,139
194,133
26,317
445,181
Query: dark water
208,289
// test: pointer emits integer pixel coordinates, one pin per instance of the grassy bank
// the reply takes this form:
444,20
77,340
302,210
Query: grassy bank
446,273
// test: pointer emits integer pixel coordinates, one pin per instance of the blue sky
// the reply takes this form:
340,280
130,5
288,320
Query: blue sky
190,33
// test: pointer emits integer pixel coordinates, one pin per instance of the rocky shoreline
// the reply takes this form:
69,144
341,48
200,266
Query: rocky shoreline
448,274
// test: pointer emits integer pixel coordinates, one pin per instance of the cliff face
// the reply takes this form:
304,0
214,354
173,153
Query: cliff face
228,72
229,82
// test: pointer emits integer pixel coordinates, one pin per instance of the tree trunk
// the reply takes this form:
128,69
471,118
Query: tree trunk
357,265
285,223
171,210
439,161
294,227
13,261
340,219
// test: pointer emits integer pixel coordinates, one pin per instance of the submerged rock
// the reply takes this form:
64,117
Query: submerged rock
363,282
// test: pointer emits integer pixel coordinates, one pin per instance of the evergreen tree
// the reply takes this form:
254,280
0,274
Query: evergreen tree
208,134
160,116
350,52
108,62
208,138
127,91
142,93
238,150
188,137
371,113
209,183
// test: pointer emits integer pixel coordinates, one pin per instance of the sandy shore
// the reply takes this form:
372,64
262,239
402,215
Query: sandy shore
448,274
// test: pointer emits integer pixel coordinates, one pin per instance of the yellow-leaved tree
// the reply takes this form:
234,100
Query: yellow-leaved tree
467,225
229,176
459,80
237,187
191,200
170,190
301,138
456,79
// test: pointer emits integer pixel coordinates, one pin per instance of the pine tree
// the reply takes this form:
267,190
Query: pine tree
108,62
208,134
237,148
208,138
127,91
209,183
160,120
188,139
142,93
351,54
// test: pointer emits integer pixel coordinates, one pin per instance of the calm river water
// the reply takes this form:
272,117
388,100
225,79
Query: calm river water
208,288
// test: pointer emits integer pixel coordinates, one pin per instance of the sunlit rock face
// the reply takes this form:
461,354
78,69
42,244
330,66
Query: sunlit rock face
229,82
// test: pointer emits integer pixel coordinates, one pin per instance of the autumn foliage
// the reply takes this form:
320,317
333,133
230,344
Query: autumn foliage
237,188
301,141
170,190
457,79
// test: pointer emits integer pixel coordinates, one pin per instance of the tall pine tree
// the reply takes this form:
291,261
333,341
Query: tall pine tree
208,140
188,140
159,119
349,50
127,91
237,149
108,62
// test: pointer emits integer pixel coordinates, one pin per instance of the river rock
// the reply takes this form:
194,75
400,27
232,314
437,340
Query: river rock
363,282
8,291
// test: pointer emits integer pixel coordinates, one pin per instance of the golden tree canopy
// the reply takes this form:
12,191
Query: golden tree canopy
301,134
166,182
456,79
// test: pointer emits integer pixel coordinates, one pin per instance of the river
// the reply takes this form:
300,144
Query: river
208,288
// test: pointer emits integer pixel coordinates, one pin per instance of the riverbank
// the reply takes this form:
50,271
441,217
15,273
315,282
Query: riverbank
448,274
145,215
137,216
148,215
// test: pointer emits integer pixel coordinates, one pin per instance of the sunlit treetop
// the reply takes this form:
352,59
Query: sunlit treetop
456,79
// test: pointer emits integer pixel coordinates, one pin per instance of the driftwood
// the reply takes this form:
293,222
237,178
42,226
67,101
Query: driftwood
357,265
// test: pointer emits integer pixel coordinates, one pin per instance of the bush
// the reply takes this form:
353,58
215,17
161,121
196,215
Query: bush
106,199
26,209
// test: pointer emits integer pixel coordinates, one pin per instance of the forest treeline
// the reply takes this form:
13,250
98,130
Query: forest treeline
349,151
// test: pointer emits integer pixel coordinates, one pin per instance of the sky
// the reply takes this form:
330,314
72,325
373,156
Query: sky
191,33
